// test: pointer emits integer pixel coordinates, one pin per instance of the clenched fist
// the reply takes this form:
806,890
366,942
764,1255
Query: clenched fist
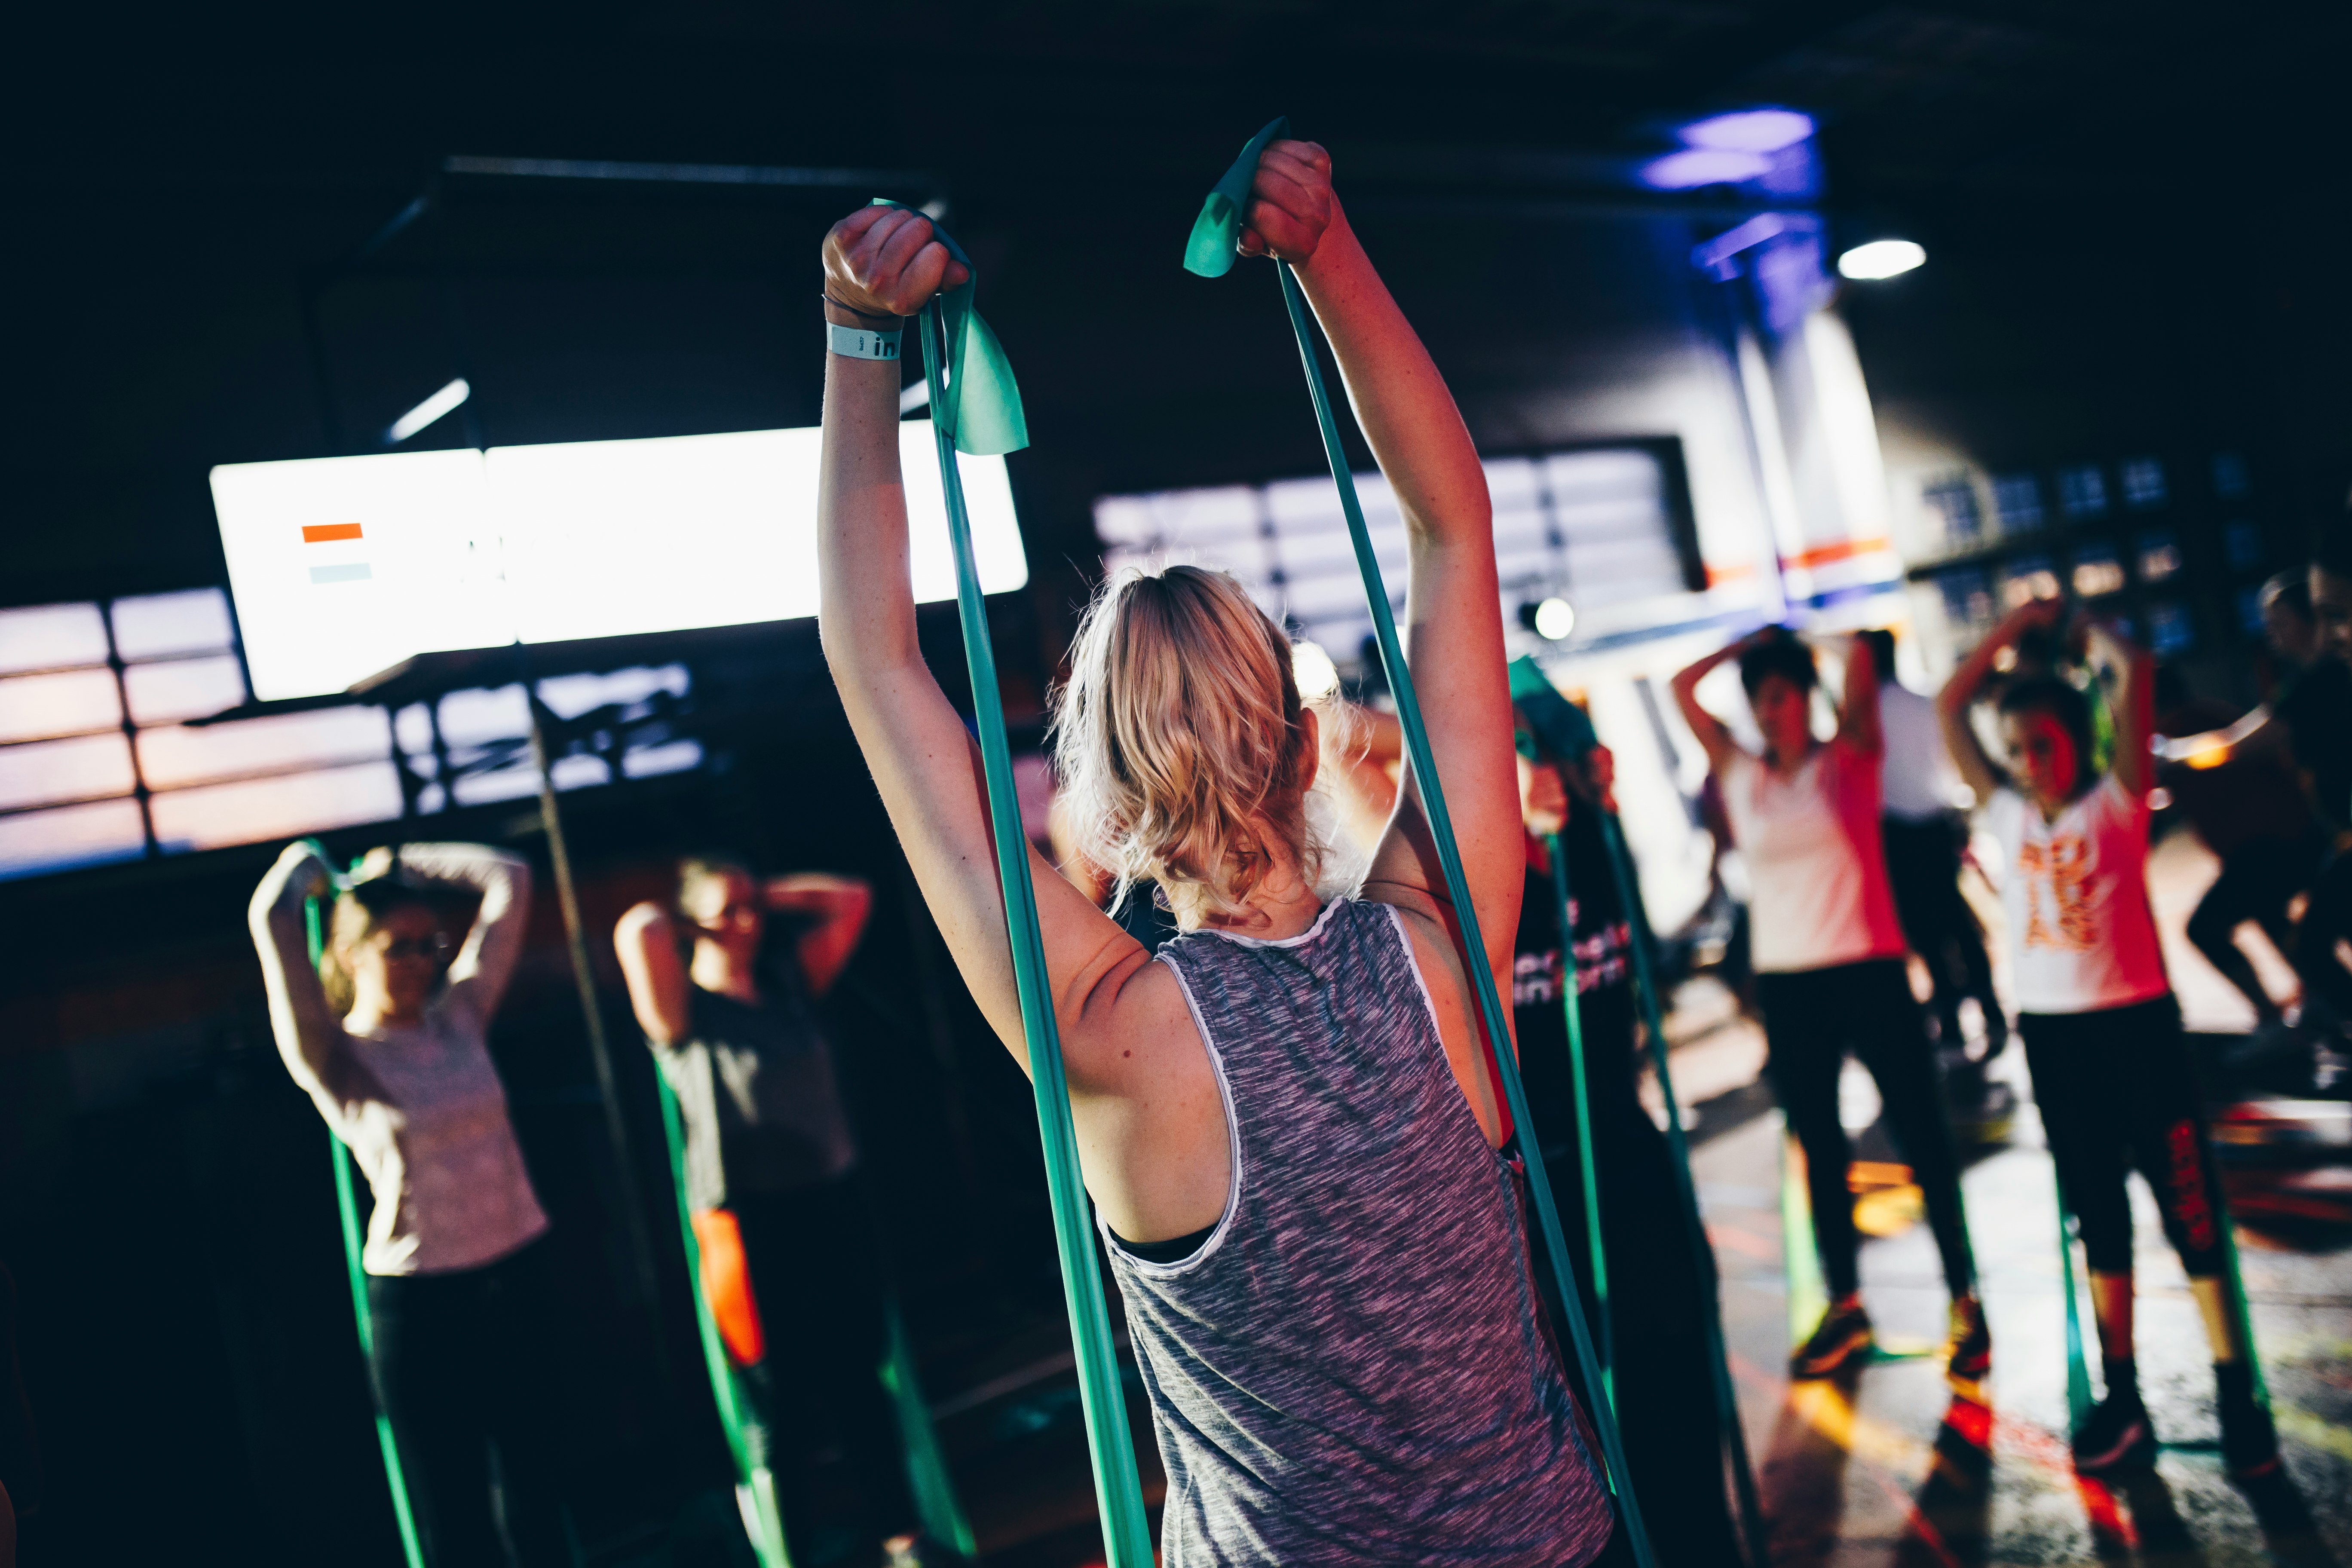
887,262
1290,202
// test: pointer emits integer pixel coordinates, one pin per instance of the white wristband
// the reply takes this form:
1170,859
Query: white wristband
861,342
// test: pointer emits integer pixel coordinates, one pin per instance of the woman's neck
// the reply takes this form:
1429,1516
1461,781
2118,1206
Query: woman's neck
716,968
369,1013
1268,916
1781,762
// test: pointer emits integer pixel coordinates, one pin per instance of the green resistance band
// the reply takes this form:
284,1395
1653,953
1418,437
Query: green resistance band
748,1439
2073,1284
1210,252
1572,1010
936,1502
1566,731
747,1436
2070,1285
976,408
347,1201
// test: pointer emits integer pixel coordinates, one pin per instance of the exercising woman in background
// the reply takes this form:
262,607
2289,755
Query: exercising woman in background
387,1034
788,1258
2111,1068
1665,1392
1285,1121
1829,974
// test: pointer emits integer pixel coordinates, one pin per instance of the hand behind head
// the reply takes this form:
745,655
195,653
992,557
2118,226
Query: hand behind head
887,262
1290,202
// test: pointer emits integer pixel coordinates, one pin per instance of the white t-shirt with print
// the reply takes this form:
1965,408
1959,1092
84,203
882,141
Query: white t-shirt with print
2082,937
1816,860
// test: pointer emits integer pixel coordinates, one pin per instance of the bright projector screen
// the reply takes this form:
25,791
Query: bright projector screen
344,566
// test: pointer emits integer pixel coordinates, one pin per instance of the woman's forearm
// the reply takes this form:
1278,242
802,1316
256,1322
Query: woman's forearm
867,609
300,1019
1400,402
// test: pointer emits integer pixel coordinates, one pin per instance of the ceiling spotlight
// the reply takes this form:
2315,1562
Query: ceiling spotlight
1882,258
1554,619
1749,130
1317,676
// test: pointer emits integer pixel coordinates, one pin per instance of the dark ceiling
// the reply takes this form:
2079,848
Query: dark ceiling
2134,210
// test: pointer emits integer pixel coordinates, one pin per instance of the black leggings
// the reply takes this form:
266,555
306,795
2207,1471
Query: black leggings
2327,921
822,1300
1811,1019
464,1368
2258,881
1923,869
2117,1089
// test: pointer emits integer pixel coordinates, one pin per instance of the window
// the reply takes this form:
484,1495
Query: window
2083,491
2097,573
2017,497
2250,612
1953,499
2242,543
1967,598
2143,480
2230,481
103,758
1599,527
2027,577
2170,629
2159,556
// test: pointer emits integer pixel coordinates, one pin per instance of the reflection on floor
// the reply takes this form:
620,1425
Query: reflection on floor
1886,1466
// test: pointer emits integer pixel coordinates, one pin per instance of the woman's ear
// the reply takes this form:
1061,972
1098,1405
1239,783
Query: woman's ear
1310,741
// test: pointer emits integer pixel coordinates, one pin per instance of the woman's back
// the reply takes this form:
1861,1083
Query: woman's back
1349,1370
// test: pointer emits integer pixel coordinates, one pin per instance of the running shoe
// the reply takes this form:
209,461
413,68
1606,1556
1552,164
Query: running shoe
1968,1353
2117,1436
1845,1334
2249,1440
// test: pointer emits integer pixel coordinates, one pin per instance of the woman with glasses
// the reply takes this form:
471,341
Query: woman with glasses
388,1036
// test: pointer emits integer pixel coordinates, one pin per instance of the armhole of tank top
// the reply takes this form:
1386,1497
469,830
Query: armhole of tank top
1437,1029
1144,1266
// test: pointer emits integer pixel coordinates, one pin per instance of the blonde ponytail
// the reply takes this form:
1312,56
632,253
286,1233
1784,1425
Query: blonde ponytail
1180,741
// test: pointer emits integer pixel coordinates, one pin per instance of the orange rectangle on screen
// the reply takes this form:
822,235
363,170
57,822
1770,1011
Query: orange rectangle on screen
320,533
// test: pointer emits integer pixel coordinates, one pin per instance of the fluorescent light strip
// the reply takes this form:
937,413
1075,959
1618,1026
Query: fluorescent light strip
426,412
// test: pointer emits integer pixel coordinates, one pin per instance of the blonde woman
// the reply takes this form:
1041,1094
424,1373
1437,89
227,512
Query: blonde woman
388,1036
1285,1119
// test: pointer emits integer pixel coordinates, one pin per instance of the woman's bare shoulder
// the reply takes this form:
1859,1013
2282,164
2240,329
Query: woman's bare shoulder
1136,1025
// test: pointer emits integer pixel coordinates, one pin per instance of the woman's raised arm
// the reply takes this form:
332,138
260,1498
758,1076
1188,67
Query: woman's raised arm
310,1036
1454,620
884,262
486,960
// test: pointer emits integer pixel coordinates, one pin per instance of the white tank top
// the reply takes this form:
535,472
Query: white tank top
2082,937
1816,859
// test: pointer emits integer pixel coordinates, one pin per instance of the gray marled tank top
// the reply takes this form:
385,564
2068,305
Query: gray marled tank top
1349,1370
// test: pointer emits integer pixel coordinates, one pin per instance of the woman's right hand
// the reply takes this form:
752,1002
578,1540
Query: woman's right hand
887,262
1291,203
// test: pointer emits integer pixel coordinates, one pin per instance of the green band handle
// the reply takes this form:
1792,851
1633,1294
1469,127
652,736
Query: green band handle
1653,1023
347,1202
1481,974
1118,1491
1571,1009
